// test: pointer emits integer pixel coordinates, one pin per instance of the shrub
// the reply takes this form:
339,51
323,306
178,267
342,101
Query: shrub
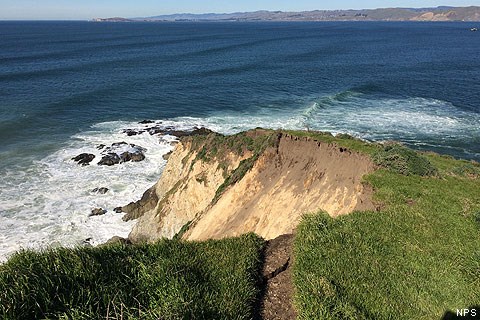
403,160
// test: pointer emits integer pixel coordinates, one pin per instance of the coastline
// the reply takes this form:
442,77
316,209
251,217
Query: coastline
439,14
383,208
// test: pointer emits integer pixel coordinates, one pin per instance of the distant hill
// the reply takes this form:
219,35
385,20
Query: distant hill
116,19
385,14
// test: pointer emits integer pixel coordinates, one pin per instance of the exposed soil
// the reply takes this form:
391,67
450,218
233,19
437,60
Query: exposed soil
300,175
278,286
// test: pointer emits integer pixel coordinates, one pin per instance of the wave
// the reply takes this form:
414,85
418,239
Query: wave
89,46
412,120
73,66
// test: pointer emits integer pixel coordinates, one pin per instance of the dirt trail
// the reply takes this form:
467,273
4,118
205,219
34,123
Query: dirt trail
278,286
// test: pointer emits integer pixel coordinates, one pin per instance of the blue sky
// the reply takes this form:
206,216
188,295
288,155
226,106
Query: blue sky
87,9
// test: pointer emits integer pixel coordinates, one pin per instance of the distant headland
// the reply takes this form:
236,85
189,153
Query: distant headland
443,13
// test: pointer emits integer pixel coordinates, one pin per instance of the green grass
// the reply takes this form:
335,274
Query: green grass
415,259
217,147
166,280
235,176
342,140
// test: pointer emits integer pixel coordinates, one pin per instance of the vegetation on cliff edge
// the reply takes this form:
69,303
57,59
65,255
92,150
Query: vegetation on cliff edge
218,147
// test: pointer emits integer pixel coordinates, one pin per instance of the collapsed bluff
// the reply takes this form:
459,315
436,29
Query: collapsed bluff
257,181
355,230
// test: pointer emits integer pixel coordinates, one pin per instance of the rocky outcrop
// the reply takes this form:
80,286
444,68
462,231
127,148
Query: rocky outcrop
101,190
120,152
109,159
135,210
84,159
162,130
97,212
265,190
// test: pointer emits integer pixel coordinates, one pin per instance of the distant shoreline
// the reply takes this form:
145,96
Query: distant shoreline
439,14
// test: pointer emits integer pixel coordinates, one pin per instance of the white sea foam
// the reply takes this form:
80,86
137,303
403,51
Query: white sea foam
411,119
48,203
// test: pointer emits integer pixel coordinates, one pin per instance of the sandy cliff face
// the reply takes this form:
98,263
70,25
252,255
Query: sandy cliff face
299,176
187,187
294,176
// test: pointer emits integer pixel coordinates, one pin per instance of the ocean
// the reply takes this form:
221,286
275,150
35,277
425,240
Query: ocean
67,87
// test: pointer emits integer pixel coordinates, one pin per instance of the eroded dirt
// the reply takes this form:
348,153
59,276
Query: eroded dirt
277,301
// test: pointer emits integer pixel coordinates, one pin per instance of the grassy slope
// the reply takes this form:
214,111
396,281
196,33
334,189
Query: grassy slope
415,259
165,280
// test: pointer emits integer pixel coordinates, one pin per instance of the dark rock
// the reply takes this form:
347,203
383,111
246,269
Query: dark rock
137,156
167,155
125,156
135,210
84,159
97,212
132,156
118,210
201,131
101,190
115,154
155,130
196,132
117,239
109,159
178,133
133,132
117,144
100,146
87,243
146,121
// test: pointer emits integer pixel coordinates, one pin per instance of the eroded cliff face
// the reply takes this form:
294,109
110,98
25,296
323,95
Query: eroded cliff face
271,189
187,187
299,176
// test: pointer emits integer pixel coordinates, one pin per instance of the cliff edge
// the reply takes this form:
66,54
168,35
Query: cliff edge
259,181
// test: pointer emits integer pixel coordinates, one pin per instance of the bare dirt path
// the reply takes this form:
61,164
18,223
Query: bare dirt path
278,285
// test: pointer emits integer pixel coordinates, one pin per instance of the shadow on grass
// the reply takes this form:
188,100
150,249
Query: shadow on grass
262,285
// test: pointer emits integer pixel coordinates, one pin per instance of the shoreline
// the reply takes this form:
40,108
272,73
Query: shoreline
168,132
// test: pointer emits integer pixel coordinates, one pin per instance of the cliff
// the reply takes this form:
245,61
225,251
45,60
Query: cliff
261,181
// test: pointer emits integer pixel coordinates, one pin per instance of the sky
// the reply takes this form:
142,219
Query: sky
88,9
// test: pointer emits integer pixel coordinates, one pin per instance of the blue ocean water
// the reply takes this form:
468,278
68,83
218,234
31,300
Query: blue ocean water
66,86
